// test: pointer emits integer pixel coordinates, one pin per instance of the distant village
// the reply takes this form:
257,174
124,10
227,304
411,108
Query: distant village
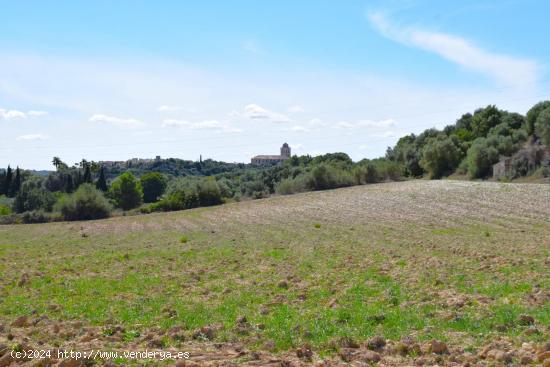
257,160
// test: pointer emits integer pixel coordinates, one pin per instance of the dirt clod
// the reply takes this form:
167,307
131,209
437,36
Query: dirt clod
437,347
376,342
283,284
526,320
370,356
21,321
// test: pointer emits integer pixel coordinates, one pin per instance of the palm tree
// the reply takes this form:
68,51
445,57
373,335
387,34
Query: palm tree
56,161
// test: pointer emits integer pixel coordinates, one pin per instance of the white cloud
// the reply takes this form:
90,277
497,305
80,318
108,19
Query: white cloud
78,88
33,137
166,108
317,123
381,124
14,114
385,134
175,123
123,122
37,113
201,125
296,109
299,128
255,112
504,69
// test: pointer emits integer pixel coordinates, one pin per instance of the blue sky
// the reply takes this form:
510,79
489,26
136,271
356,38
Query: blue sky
108,80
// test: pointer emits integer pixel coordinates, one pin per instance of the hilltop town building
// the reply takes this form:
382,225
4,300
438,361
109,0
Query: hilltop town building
272,159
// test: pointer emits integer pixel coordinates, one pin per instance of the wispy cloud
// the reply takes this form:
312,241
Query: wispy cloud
123,122
33,137
256,112
503,69
316,123
299,129
381,124
201,125
14,114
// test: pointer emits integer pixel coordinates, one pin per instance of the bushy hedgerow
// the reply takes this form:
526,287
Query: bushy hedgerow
366,173
84,204
294,185
324,177
388,170
177,199
33,196
38,216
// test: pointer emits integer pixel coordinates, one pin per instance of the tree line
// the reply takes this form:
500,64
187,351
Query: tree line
87,190
474,143
83,191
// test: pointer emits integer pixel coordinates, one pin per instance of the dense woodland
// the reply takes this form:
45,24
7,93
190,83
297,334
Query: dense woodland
88,190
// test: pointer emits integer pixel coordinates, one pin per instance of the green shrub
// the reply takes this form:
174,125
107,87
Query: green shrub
260,195
226,188
290,186
484,119
86,203
126,191
325,177
179,199
183,239
37,216
209,193
462,168
153,185
366,173
5,210
33,196
285,187
542,126
441,156
10,219
520,166
480,158
533,115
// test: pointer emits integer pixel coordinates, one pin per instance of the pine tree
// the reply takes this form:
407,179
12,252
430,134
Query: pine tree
16,186
78,179
101,183
69,187
2,179
87,174
7,182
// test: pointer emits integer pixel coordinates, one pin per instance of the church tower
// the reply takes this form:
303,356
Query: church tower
285,151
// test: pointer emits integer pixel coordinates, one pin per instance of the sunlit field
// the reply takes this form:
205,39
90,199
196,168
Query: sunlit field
419,272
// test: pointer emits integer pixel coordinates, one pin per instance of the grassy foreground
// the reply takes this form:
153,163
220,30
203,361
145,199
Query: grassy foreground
466,264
